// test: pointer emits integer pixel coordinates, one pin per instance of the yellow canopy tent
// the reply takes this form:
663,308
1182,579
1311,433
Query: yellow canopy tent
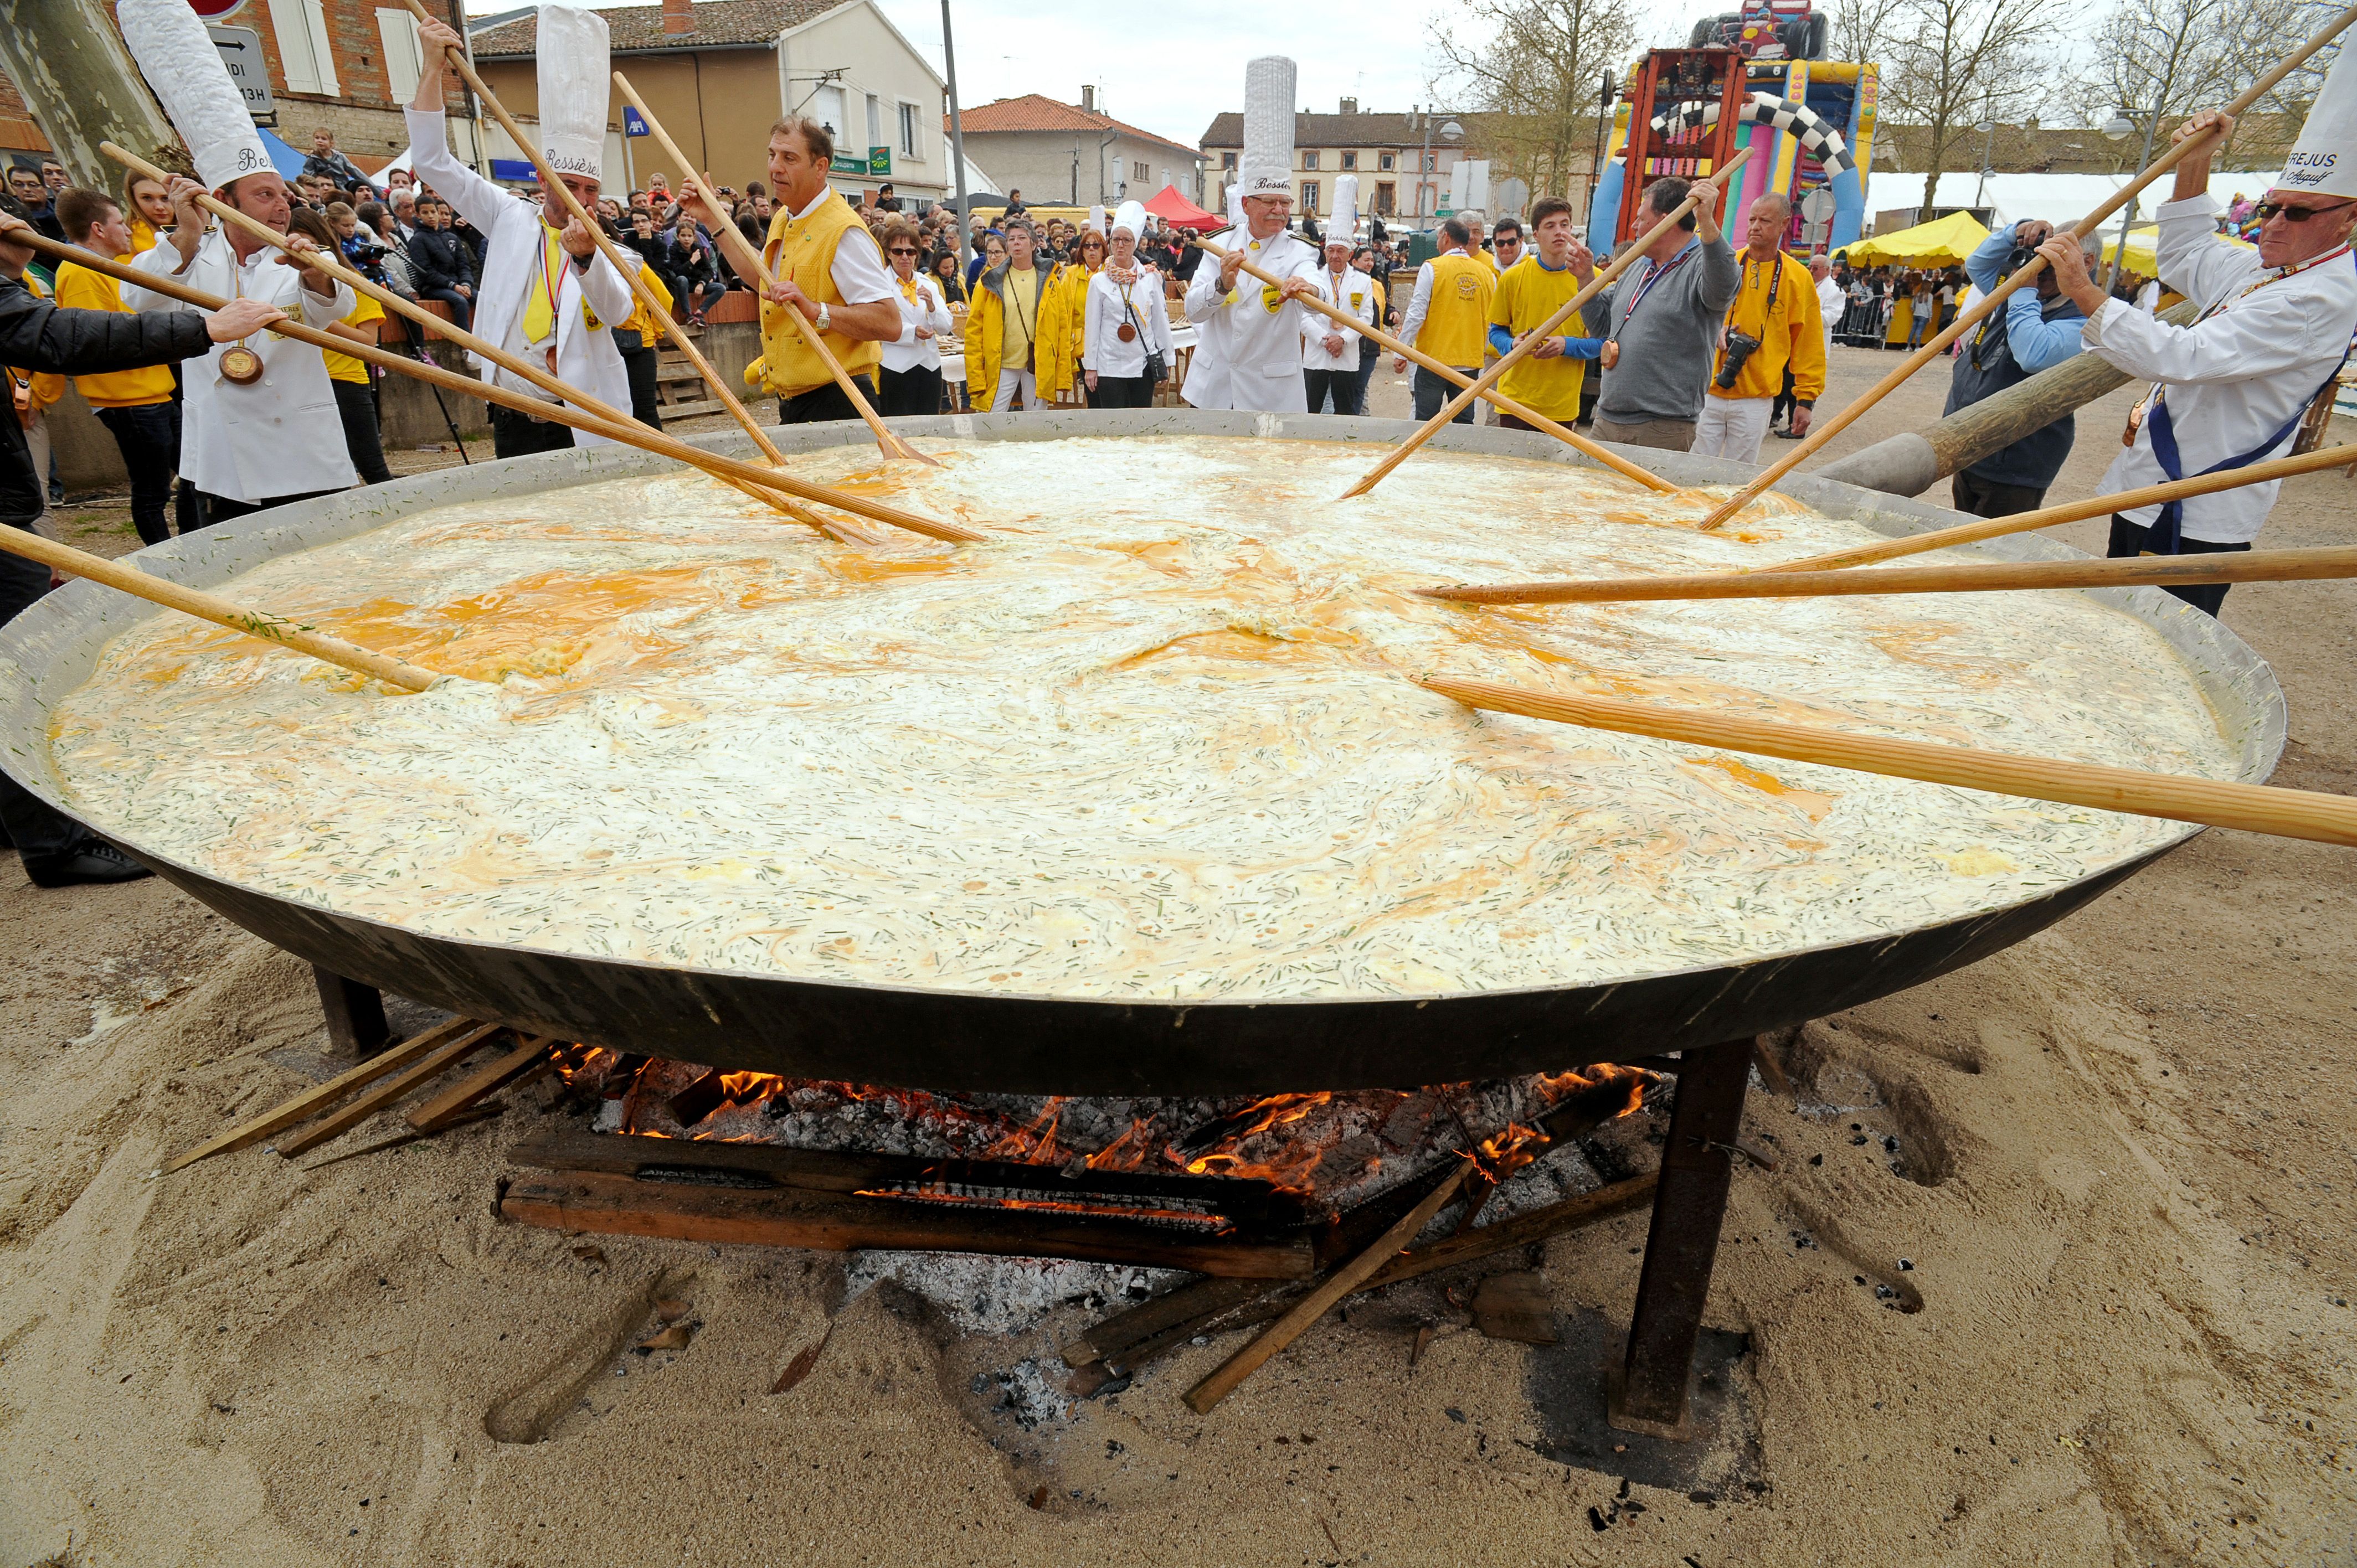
1942,243
2142,256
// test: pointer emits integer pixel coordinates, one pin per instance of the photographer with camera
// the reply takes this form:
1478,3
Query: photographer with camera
2038,330
1775,323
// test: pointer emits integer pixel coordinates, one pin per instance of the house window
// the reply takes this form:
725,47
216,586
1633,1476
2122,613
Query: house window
1309,160
1140,172
1310,194
874,122
1386,199
1350,160
1227,160
1384,162
303,54
908,132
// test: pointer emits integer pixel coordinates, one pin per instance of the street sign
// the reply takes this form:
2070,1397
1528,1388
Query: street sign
1818,205
240,53
633,123
879,162
216,10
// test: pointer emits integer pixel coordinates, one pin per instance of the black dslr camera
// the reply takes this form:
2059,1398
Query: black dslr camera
1740,347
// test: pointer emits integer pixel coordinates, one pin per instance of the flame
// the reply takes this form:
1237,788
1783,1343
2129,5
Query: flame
1036,1144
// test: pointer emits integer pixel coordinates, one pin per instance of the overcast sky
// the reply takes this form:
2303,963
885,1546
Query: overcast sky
1170,68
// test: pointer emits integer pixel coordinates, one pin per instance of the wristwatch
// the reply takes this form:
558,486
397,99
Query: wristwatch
820,320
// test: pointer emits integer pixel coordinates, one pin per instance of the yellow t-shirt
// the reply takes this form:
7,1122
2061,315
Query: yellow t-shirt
142,237
349,367
1527,295
78,288
1021,291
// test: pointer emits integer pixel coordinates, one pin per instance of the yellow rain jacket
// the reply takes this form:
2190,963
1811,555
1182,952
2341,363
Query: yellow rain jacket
1064,321
986,335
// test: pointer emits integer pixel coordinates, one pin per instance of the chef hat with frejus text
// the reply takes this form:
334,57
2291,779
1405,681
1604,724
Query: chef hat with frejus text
178,58
2324,160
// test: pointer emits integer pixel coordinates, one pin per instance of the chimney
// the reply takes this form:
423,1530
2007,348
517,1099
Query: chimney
1349,106
1089,98
678,17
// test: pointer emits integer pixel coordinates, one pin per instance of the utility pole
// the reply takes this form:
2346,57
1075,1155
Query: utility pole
957,127
77,78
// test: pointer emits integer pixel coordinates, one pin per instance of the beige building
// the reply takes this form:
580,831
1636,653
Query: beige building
716,74
1382,150
1073,153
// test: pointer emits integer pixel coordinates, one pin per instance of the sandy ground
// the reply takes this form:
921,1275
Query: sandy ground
2115,1161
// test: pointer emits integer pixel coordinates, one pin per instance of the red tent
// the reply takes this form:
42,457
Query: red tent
1181,213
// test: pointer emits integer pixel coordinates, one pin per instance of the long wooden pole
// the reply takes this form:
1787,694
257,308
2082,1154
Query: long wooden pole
1504,404
1823,431
628,433
1961,577
2254,807
749,263
264,624
2073,511
646,297
1604,276
335,267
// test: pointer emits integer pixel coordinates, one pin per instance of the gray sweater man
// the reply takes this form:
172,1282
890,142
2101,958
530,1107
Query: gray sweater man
1660,322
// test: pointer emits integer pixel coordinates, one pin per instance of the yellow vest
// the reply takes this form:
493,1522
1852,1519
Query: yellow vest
1456,323
802,252
78,288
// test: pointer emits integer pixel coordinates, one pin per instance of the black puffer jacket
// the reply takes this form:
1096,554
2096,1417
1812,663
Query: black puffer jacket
440,259
36,335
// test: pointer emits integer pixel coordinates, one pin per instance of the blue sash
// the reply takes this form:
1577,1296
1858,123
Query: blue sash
2165,534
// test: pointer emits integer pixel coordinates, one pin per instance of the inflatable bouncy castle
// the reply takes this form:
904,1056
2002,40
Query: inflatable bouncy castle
1748,79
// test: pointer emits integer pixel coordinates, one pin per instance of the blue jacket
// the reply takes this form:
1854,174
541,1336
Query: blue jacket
2005,350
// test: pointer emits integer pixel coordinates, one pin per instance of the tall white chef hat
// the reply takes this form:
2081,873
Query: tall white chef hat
1236,204
1266,167
1132,217
1342,224
574,50
178,58
2324,160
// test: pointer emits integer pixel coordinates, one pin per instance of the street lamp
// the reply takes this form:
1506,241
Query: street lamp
1987,128
1450,131
2117,126
1611,90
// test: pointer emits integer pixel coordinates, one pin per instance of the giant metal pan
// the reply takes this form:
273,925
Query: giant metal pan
939,1039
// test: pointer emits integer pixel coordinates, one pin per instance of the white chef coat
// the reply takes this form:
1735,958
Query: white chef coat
1248,355
1102,349
2233,379
585,356
1353,295
280,436
909,351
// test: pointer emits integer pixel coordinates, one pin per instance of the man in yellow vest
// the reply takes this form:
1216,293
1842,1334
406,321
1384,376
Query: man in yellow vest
1448,316
830,280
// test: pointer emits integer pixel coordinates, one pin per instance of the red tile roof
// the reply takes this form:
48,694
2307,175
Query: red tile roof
1035,112
719,24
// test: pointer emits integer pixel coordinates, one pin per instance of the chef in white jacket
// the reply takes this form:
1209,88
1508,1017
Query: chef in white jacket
547,295
1249,351
260,426
1329,351
2276,324
1123,320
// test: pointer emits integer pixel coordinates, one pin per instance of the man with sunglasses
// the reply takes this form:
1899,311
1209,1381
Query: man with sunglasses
2276,324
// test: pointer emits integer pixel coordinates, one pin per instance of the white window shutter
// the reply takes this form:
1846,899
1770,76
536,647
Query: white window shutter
302,49
403,60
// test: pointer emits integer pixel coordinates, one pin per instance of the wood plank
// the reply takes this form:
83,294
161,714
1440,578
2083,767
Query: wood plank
428,1116
621,1206
312,1100
1252,1205
385,1093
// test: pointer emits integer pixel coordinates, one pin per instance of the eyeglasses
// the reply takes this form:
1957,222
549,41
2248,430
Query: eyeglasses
2266,209
904,250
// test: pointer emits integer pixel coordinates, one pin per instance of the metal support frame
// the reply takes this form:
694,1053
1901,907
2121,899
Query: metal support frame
1667,79
356,1025
1649,1388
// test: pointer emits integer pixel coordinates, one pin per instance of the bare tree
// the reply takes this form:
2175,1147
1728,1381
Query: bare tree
1531,69
1861,28
2158,61
1948,64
